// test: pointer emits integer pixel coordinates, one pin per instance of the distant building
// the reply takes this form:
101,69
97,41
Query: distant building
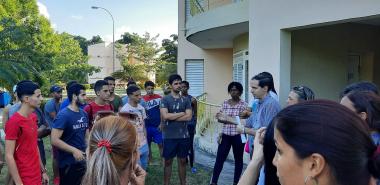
100,55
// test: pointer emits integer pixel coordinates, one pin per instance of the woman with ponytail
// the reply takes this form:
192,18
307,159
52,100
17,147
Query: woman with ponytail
112,154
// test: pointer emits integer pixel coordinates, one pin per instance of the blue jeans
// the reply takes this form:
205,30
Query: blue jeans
144,156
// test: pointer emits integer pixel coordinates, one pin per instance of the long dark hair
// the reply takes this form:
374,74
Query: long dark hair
331,130
369,103
269,152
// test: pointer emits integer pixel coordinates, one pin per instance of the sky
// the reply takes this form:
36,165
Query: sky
139,16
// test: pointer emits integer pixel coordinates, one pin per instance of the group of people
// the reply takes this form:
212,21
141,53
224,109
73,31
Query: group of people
103,141
108,140
309,142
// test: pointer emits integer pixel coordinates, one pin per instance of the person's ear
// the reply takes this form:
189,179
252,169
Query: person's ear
315,165
25,98
266,88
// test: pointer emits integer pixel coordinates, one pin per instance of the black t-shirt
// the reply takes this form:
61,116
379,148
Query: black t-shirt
175,129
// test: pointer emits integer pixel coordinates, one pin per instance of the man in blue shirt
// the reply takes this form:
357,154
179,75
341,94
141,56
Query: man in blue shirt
51,110
69,135
266,109
66,102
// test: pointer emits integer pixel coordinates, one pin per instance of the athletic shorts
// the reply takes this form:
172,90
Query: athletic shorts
154,134
176,148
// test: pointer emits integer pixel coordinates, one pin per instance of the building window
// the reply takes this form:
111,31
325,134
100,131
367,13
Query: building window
194,74
240,72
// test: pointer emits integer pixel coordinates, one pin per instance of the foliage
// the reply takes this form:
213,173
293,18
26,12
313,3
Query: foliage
138,56
84,43
131,71
168,60
26,42
30,49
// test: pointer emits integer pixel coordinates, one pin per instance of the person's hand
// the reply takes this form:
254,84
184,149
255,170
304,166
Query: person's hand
258,153
79,155
240,129
45,178
138,176
260,133
161,127
221,116
245,114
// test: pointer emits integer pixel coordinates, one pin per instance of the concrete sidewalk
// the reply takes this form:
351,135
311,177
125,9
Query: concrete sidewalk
207,160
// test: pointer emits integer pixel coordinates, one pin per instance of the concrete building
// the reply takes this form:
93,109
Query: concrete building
100,55
322,44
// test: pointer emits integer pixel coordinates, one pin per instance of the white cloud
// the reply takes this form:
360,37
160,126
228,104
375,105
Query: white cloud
43,10
118,32
77,17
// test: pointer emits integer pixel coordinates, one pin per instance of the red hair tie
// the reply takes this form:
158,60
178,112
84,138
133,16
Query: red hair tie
106,144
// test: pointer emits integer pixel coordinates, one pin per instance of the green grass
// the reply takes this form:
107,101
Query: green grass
155,172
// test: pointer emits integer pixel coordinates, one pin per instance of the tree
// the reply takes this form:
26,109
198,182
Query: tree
167,64
95,40
84,43
138,56
70,63
30,49
26,42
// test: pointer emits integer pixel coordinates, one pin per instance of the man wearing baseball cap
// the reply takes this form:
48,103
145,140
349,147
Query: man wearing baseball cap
51,110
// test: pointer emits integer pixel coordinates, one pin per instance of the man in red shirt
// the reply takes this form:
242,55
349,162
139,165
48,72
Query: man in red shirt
101,102
21,150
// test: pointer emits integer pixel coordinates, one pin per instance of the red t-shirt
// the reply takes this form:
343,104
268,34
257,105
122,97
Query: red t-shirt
26,154
92,109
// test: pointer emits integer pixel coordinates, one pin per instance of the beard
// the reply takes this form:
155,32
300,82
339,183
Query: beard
80,103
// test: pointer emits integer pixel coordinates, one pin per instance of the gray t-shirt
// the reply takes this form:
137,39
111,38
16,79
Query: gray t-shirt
175,129
13,109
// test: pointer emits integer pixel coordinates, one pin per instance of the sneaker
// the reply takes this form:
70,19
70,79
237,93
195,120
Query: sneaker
193,170
56,181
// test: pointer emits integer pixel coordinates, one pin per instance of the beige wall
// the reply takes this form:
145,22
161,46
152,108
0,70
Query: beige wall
270,21
240,43
217,63
218,74
319,56
224,15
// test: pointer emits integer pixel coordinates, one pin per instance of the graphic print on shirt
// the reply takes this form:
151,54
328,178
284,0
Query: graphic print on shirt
152,103
80,124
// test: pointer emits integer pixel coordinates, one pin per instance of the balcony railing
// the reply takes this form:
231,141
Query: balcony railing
200,6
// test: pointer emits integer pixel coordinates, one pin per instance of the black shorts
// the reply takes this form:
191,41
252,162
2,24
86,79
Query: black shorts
176,147
72,174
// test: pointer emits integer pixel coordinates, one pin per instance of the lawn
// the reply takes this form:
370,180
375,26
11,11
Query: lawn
155,170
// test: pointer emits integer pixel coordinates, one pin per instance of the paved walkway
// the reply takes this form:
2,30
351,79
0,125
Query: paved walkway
204,159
